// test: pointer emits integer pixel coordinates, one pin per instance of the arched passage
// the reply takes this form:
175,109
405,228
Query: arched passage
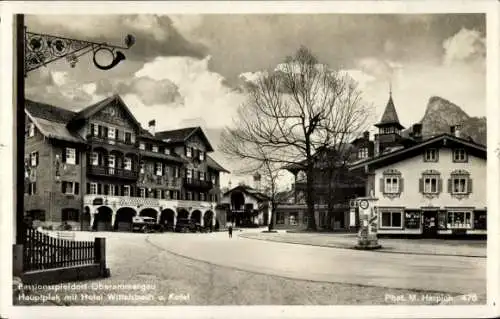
86,218
208,219
102,219
167,218
123,219
196,216
149,212
237,201
182,214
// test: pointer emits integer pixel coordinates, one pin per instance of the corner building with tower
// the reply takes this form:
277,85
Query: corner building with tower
98,168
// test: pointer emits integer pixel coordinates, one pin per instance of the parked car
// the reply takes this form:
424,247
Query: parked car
185,225
146,224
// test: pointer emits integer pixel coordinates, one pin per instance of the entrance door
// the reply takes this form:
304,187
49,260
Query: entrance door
430,224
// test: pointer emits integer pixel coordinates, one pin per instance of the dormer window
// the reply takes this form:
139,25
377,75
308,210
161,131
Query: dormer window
142,146
363,153
459,155
201,155
31,130
431,155
155,148
189,152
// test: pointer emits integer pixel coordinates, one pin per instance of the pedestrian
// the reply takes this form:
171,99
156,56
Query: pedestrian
230,231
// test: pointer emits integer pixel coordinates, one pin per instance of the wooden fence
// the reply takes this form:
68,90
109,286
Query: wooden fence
41,251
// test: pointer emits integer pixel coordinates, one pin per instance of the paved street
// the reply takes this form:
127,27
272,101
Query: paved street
407,271
211,269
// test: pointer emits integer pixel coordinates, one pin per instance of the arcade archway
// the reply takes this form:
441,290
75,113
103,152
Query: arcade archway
102,219
167,219
123,219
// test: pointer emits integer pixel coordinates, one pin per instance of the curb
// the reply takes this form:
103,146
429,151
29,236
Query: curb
353,248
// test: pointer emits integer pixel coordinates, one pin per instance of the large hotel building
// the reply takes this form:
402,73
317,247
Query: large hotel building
98,168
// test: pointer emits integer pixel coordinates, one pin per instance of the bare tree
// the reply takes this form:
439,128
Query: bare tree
294,111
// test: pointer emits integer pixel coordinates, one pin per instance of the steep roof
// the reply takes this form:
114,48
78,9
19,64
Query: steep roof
48,112
93,109
390,116
51,121
182,135
248,190
443,140
214,165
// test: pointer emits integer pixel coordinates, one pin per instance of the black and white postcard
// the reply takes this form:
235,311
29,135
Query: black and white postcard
250,159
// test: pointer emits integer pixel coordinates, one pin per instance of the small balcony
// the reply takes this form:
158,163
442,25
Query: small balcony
112,172
109,141
197,183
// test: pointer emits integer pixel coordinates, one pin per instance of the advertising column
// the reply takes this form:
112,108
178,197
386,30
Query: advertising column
367,235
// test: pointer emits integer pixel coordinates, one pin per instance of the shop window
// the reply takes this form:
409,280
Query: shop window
412,219
36,214
459,220
293,219
480,219
391,219
280,218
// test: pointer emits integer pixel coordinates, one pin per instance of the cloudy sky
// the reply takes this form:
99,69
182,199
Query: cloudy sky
187,70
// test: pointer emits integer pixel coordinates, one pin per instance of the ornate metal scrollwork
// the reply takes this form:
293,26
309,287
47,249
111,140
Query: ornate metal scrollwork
42,49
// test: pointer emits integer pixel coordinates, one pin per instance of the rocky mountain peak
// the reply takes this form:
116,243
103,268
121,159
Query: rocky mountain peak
441,114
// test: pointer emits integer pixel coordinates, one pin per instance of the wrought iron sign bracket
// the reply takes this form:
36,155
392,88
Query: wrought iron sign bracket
41,49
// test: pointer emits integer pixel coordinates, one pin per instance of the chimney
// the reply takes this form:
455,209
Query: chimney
455,130
417,131
152,126
366,135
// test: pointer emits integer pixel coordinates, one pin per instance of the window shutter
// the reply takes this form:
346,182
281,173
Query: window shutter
26,187
77,188
92,127
382,186
105,132
34,188
122,190
77,157
469,186
440,185
99,131
401,185
106,189
421,185
117,135
99,189
449,185
64,155
36,159
63,187
88,188
437,154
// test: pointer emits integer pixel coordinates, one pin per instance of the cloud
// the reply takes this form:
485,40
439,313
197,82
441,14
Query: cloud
57,88
379,68
204,92
363,79
466,46
155,35
147,90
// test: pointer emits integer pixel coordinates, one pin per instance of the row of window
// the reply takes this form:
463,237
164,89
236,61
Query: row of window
191,152
69,156
67,214
111,133
446,220
142,192
458,184
459,155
